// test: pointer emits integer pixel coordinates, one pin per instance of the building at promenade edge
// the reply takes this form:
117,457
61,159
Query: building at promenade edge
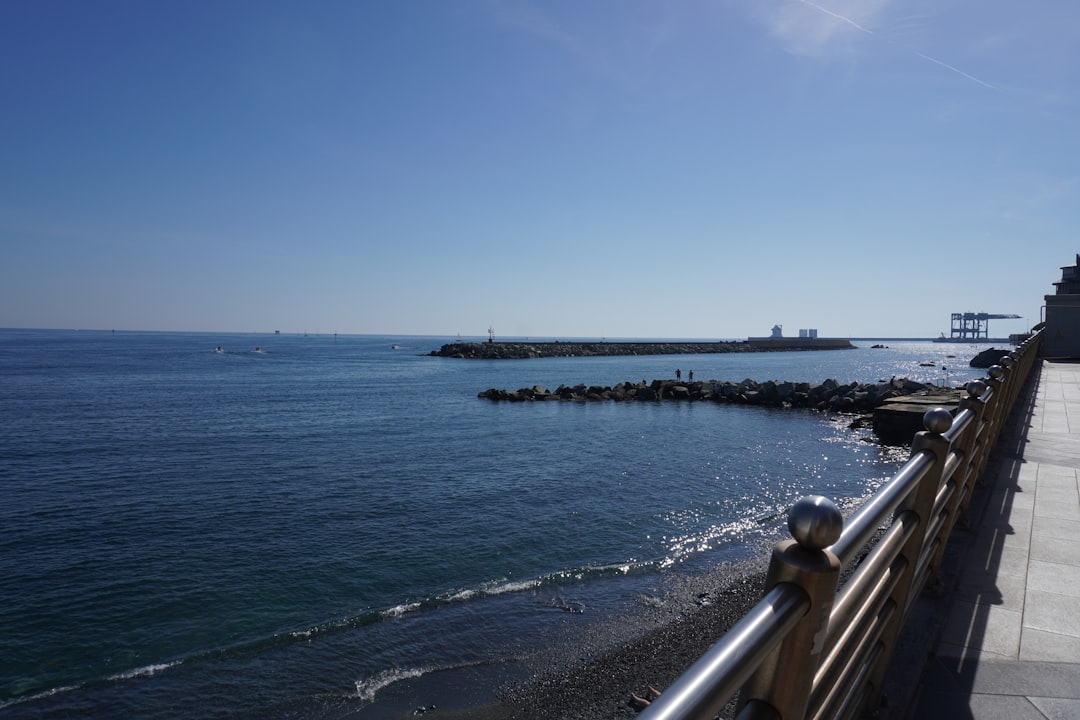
1062,337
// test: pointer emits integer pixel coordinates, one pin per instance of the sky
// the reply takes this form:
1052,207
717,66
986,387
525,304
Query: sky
563,169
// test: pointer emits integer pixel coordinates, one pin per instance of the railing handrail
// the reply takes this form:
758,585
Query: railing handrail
775,655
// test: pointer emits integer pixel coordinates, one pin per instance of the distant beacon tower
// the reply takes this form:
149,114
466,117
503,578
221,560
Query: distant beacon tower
491,333
777,331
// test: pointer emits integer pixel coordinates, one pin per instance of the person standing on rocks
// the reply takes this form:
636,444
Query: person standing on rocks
678,374
691,376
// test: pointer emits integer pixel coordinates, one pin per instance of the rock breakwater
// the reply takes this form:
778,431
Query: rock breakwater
524,350
829,395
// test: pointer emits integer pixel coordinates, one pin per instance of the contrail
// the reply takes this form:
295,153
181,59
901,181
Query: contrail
860,28
959,72
830,13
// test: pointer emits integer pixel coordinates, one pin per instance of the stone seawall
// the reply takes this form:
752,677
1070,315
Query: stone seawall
524,350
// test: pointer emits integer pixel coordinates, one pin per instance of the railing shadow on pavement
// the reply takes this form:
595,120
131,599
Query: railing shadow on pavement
978,552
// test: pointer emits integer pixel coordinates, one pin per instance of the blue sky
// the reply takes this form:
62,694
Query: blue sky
561,169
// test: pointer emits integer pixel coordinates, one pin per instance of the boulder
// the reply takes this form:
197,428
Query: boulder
988,358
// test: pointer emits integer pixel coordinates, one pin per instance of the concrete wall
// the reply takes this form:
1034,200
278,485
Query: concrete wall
1062,337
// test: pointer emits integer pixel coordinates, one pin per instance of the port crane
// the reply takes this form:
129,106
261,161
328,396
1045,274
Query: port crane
975,326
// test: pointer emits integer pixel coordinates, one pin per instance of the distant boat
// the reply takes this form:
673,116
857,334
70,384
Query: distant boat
395,347
879,347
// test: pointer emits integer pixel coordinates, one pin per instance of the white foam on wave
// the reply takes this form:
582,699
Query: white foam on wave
145,671
463,595
37,696
503,587
399,610
614,568
367,689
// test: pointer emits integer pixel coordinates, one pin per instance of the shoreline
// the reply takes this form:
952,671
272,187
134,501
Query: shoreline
586,675
588,672
696,613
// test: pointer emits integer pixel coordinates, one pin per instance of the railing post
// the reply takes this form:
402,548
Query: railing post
920,503
969,447
785,679
973,446
992,421
1013,369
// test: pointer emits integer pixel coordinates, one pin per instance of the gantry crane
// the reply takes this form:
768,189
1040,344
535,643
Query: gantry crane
974,326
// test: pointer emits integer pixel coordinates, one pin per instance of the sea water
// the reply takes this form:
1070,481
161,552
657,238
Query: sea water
214,525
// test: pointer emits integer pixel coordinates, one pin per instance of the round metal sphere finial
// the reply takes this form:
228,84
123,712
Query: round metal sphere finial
815,522
937,420
1006,361
996,372
976,388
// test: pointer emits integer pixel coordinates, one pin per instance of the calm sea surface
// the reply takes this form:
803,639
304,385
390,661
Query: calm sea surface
327,527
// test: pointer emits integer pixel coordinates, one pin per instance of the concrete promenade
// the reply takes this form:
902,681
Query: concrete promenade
1009,645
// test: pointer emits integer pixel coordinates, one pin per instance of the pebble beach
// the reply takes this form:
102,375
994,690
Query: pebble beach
591,679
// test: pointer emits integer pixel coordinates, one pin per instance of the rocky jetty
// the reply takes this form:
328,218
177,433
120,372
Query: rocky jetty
829,395
524,350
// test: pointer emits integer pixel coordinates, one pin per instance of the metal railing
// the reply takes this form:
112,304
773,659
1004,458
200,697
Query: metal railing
807,650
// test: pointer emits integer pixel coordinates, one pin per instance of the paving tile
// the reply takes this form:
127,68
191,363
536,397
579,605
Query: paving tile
992,560
993,545
1057,490
1057,528
1018,533
950,651
1006,508
1045,679
1010,591
1052,453
1001,707
1057,708
1059,476
1027,476
1054,578
1057,503
993,628
1059,494
1040,646
992,588
1013,499
1052,612
1056,550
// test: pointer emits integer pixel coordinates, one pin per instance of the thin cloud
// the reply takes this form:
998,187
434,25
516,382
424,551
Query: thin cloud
824,35
533,21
